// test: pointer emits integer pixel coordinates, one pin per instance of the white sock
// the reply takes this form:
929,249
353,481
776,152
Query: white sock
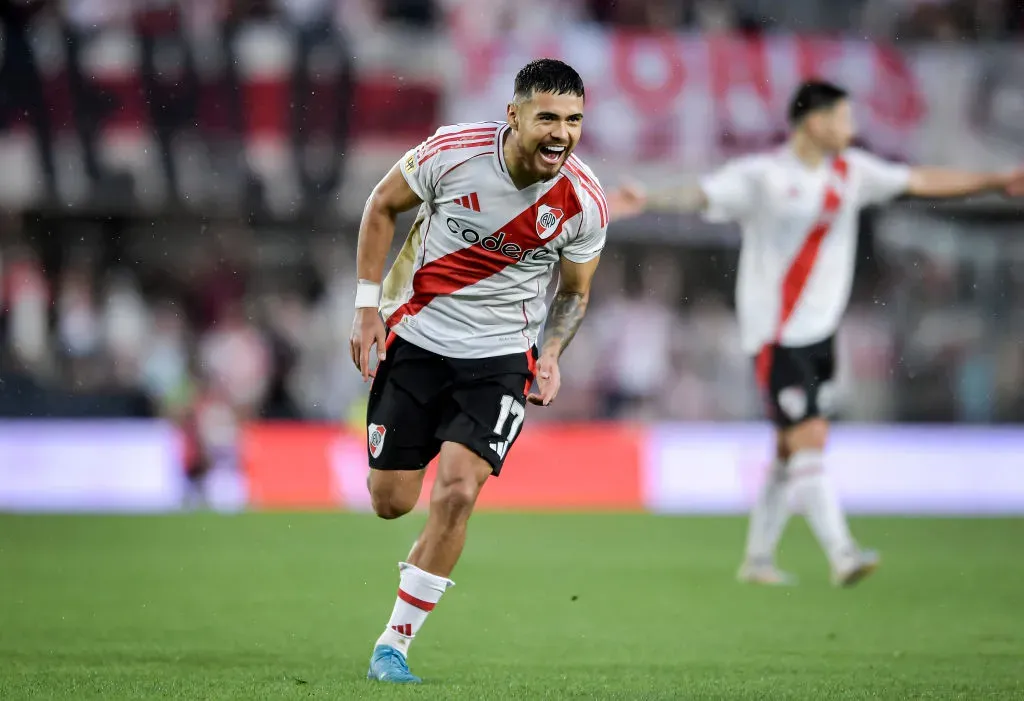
768,516
814,491
418,593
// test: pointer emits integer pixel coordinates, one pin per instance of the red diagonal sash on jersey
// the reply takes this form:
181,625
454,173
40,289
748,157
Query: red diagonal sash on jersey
795,281
470,265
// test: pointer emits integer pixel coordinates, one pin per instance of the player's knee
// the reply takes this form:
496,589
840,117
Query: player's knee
455,494
460,476
456,497
390,505
807,435
393,494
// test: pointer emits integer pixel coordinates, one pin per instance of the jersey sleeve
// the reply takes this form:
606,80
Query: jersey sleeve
591,239
731,191
880,180
425,165
420,176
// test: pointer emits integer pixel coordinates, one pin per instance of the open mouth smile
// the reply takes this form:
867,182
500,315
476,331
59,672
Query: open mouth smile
552,154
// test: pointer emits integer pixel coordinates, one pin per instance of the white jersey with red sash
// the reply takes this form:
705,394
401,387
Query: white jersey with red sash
799,245
471,279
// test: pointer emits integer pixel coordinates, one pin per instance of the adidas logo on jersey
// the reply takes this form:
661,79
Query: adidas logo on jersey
470,201
501,447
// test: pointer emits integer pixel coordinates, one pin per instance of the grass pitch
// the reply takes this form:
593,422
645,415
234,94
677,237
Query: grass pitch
283,606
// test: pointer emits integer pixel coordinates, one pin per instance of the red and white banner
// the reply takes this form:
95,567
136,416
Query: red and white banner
675,105
692,99
173,116
659,105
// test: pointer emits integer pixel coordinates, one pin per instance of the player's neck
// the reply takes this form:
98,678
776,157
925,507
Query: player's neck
806,151
517,170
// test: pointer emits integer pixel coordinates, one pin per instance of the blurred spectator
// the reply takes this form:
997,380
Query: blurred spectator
235,359
93,24
323,62
636,340
21,84
169,80
26,297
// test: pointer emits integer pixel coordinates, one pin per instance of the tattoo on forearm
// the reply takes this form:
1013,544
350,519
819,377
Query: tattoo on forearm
564,319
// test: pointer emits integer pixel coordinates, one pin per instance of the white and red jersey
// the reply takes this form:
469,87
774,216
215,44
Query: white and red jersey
471,279
799,237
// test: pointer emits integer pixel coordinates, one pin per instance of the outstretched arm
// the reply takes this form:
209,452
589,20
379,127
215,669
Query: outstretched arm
631,200
942,183
725,195
684,200
563,321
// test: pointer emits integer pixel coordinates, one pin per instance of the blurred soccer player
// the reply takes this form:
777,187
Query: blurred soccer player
797,207
500,205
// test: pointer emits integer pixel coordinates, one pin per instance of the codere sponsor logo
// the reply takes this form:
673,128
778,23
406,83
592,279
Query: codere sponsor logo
496,242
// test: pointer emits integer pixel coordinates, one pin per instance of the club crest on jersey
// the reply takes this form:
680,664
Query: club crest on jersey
548,219
410,163
376,439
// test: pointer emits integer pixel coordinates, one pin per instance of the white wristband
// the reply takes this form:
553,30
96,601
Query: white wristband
367,294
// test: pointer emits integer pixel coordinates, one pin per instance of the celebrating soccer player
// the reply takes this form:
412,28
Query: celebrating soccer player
797,207
500,205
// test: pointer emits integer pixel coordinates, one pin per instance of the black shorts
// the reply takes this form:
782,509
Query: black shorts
798,382
420,399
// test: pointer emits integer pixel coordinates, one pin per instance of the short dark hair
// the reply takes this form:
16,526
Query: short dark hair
814,95
548,75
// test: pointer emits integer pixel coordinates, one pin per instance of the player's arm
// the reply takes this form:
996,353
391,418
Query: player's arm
563,321
942,183
389,198
392,196
569,305
725,195
685,199
631,200
881,181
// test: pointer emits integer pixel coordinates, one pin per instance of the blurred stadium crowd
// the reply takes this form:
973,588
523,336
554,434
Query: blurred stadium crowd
218,318
211,319
903,19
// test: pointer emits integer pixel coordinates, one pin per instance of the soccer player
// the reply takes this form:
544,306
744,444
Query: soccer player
797,207
501,204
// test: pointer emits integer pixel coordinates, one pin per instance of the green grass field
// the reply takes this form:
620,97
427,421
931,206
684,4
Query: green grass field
285,606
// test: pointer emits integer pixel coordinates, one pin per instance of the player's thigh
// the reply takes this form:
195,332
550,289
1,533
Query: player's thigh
403,414
823,363
792,387
487,417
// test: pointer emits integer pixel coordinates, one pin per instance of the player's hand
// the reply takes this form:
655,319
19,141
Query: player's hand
626,201
367,329
1014,186
549,380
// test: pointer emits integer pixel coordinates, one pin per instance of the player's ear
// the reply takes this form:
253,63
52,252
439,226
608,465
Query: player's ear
512,115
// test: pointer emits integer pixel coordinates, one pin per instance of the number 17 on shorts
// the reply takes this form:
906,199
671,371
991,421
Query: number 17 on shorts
510,418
